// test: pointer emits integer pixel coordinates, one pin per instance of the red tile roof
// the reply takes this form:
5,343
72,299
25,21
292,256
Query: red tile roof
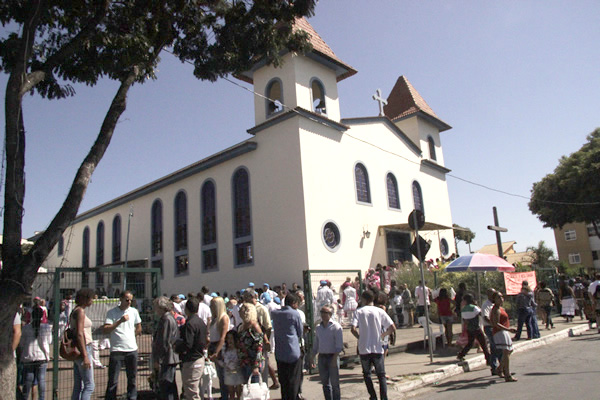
405,100
321,48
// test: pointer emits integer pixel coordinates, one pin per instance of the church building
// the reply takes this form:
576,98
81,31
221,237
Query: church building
308,190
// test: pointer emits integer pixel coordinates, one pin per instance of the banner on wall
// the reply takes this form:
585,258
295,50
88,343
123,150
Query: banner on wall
514,280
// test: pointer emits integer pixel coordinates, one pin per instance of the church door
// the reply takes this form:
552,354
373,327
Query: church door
398,247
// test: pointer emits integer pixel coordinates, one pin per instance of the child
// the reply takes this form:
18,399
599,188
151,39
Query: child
470,315
233,372
444,305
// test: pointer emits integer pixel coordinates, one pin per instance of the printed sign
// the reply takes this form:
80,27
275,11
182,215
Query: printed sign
514,280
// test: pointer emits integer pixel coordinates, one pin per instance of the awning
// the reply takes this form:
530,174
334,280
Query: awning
429,226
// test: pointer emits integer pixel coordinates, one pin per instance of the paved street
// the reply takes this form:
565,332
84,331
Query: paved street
567,369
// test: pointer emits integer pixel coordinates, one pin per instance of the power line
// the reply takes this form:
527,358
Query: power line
528,198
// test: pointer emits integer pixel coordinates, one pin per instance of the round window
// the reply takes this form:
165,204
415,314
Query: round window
331,236
444,247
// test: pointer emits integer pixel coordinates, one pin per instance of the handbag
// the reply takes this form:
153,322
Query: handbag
256,391
68,344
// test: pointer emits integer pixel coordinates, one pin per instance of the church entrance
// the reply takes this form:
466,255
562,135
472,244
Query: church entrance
398,247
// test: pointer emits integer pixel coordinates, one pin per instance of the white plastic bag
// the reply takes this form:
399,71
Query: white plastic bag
208,375
256,391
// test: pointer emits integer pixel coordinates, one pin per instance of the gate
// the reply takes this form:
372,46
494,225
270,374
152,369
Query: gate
312,279
109,282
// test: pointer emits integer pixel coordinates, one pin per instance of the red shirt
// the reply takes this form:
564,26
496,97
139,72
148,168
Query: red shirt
443,307
503,320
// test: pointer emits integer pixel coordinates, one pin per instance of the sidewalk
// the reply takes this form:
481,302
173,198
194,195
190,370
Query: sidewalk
408,364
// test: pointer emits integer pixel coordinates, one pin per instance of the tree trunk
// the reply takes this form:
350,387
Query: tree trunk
19,272
8,378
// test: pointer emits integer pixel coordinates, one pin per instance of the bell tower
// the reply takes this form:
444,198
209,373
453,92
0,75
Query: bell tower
307,81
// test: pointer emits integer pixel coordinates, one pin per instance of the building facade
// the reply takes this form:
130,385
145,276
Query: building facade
578,244
307,190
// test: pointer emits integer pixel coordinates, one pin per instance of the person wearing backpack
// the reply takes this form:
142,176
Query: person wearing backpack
546,301
470,315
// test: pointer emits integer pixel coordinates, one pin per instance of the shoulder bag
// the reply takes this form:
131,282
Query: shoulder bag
68,343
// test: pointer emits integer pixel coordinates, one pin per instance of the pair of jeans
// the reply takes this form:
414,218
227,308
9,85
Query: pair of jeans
247,373
377,361
83,378
329,372
525,316
472,335
548,311
32,372
220,372
535,330
290,377
167,386
399,316
117,358
494,357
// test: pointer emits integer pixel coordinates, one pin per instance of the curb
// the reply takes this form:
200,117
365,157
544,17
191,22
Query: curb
448,371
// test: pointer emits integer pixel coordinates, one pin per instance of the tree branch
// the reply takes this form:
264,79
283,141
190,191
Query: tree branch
69,49
14,192
68,211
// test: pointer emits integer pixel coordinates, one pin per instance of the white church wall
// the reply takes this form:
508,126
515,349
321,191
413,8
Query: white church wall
329,170
410,127
427,129
307,69
261,77
278,207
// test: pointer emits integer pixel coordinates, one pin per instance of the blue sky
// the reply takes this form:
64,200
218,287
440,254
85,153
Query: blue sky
517,80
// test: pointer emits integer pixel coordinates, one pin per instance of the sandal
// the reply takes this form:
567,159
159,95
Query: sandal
511,379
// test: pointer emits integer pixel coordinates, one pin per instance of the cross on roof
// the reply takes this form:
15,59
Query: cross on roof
382,102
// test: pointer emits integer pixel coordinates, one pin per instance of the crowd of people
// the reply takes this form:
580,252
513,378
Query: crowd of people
238,333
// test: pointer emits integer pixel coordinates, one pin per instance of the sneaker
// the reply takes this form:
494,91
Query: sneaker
460,358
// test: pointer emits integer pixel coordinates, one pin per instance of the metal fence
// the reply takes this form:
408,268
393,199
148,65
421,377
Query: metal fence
109,282
312,279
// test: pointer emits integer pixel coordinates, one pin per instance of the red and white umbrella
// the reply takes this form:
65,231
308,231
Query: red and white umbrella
479,262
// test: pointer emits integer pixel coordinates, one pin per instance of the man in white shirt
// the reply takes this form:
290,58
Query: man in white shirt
370,326
422,299
204,310
205,296
124,324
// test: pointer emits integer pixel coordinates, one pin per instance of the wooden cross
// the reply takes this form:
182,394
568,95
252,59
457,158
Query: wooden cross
377,97
498,229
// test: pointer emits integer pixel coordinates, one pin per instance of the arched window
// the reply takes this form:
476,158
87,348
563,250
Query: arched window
361,179
99,253
100,244
116,239
418,197
318,97
61,246
156,230
181,244
431,148
242,229
85,253
85,257
209,227
392,191
274,95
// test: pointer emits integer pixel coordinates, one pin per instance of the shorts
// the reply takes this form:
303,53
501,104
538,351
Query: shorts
446,319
